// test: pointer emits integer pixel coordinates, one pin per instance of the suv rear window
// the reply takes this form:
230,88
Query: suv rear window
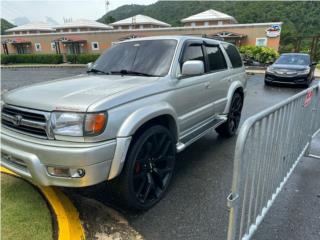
234,55
216,58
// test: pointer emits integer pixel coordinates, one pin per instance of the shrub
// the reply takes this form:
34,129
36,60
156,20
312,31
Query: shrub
82,58
260,54
31,58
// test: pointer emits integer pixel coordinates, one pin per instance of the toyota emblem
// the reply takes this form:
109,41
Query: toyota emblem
17,120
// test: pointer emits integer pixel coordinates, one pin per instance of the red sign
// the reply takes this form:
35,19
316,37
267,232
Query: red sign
308,98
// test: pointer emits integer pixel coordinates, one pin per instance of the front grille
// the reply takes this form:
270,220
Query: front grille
25,121
286,79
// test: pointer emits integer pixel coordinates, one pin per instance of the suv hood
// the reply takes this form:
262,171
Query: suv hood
290,67
74,93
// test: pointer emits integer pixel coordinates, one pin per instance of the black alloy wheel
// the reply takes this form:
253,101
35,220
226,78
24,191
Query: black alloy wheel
149,168
229,128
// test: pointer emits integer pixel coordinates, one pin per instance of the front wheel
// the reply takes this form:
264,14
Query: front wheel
148,169
229,128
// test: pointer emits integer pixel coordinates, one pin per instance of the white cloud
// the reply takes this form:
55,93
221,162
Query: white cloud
38,10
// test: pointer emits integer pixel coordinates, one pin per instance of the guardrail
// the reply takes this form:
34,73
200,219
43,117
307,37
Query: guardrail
269,146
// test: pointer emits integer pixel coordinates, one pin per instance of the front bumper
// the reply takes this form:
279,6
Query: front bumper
31,158
297,79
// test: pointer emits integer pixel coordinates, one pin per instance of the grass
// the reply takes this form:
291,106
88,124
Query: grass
318,66
24,212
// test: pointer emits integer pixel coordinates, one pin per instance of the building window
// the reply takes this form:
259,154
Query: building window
220,22
261,41
53,46
193,24
95,45
206,24
37,47
141,26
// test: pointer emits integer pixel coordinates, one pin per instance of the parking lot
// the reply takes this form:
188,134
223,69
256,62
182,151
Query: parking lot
195,205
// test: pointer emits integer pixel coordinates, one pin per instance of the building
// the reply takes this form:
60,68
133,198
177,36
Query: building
139,22
67,44
31,28
85,36
208,18
82,25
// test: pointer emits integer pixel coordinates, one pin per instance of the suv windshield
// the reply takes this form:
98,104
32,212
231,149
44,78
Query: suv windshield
292,59
145,57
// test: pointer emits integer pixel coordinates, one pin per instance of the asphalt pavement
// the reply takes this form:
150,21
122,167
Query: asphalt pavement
195,205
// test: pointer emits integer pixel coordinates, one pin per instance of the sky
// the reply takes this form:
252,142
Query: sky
38,10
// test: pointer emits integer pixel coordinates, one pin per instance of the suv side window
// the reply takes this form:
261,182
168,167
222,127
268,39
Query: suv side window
193,52
216,59
234,55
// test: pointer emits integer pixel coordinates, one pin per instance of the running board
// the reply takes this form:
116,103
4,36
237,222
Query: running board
212,125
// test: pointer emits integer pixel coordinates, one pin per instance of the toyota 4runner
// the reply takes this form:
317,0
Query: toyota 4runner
140,103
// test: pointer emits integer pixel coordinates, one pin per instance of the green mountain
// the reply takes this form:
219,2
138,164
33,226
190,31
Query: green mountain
300,18
5,25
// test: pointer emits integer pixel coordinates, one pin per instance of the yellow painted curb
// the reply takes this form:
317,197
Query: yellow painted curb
69,226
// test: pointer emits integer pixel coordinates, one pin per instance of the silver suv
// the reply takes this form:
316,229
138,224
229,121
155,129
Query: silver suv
140,103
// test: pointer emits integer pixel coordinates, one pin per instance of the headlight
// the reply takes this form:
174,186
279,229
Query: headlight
77,124
305,71
270,69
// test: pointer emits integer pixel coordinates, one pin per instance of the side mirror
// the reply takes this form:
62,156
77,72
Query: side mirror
192,67
89,65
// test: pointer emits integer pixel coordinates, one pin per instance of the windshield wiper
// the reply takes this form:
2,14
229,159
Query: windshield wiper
129,72
94,70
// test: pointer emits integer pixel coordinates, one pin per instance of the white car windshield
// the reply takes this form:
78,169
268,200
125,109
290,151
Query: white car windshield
292,59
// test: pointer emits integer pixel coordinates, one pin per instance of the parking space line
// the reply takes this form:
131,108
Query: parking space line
69,225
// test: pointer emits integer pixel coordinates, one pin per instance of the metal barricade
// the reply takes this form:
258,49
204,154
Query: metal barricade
269,146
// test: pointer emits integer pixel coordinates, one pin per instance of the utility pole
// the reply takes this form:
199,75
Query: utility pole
107,3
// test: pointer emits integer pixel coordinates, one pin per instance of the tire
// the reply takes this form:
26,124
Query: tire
229,128
148,170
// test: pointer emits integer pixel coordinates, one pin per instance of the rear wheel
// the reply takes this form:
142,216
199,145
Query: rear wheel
148,170
229,128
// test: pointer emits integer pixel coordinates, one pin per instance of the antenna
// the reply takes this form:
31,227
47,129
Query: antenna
107,3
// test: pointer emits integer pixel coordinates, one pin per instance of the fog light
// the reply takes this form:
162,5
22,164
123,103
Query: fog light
78,173
59,171
66,172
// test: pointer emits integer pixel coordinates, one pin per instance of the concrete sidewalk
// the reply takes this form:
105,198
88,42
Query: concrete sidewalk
295,214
